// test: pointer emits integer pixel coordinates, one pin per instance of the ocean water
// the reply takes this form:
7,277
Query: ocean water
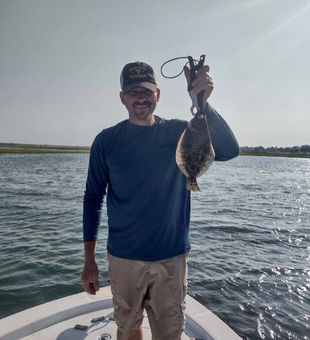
250,255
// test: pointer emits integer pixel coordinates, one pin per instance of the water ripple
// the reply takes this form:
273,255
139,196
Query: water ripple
249,232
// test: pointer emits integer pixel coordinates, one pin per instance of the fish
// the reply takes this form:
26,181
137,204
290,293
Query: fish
195,153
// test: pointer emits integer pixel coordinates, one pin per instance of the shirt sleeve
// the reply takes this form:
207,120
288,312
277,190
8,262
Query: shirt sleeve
223,139
97,181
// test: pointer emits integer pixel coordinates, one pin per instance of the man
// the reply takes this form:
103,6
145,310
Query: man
148,206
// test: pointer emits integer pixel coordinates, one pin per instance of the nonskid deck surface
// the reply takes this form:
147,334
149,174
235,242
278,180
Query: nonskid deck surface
57,320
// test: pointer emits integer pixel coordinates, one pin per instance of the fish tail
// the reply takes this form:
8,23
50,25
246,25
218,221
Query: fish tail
192,185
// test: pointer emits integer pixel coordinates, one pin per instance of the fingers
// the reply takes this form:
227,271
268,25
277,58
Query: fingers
187,74
203,82
204,85
203,79
96,284
90,280
204,69
89,288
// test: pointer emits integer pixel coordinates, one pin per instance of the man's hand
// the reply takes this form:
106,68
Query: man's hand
89,278
203,82
90,273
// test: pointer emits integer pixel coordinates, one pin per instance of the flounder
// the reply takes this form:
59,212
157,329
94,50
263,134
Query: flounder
195,153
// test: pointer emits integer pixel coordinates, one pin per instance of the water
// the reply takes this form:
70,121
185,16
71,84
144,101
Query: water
250,239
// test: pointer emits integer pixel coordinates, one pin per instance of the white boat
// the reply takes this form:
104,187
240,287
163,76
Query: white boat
58,320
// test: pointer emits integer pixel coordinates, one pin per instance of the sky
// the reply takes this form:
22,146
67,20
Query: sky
60,62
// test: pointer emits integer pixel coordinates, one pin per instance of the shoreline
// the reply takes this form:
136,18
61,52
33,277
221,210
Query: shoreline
8,148
38,151
275,154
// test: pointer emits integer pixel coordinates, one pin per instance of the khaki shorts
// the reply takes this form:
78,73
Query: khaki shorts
158,287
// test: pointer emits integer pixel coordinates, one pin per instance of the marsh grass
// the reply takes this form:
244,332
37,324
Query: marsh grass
39,149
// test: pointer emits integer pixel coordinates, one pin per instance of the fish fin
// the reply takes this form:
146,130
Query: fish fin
192,185
178,154
183,169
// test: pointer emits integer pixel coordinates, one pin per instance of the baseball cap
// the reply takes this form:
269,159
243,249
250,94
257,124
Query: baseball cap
138,74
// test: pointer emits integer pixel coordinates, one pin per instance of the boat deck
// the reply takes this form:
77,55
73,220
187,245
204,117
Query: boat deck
56,320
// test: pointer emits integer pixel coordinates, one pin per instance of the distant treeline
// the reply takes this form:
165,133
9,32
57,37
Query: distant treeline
275,149
302,151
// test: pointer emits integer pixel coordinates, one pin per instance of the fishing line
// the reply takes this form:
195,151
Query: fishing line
174,59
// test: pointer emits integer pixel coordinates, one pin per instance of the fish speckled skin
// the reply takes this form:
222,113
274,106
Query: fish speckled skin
195,154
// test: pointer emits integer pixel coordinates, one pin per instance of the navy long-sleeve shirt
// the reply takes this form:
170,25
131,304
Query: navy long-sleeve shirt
148,205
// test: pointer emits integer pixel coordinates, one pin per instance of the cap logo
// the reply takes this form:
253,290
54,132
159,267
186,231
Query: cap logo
138,72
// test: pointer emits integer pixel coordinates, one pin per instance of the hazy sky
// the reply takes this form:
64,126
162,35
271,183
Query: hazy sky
60,62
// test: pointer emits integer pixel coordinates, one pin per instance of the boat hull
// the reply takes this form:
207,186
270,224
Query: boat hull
56,320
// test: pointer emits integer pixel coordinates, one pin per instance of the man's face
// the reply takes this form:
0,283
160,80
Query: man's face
140,103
